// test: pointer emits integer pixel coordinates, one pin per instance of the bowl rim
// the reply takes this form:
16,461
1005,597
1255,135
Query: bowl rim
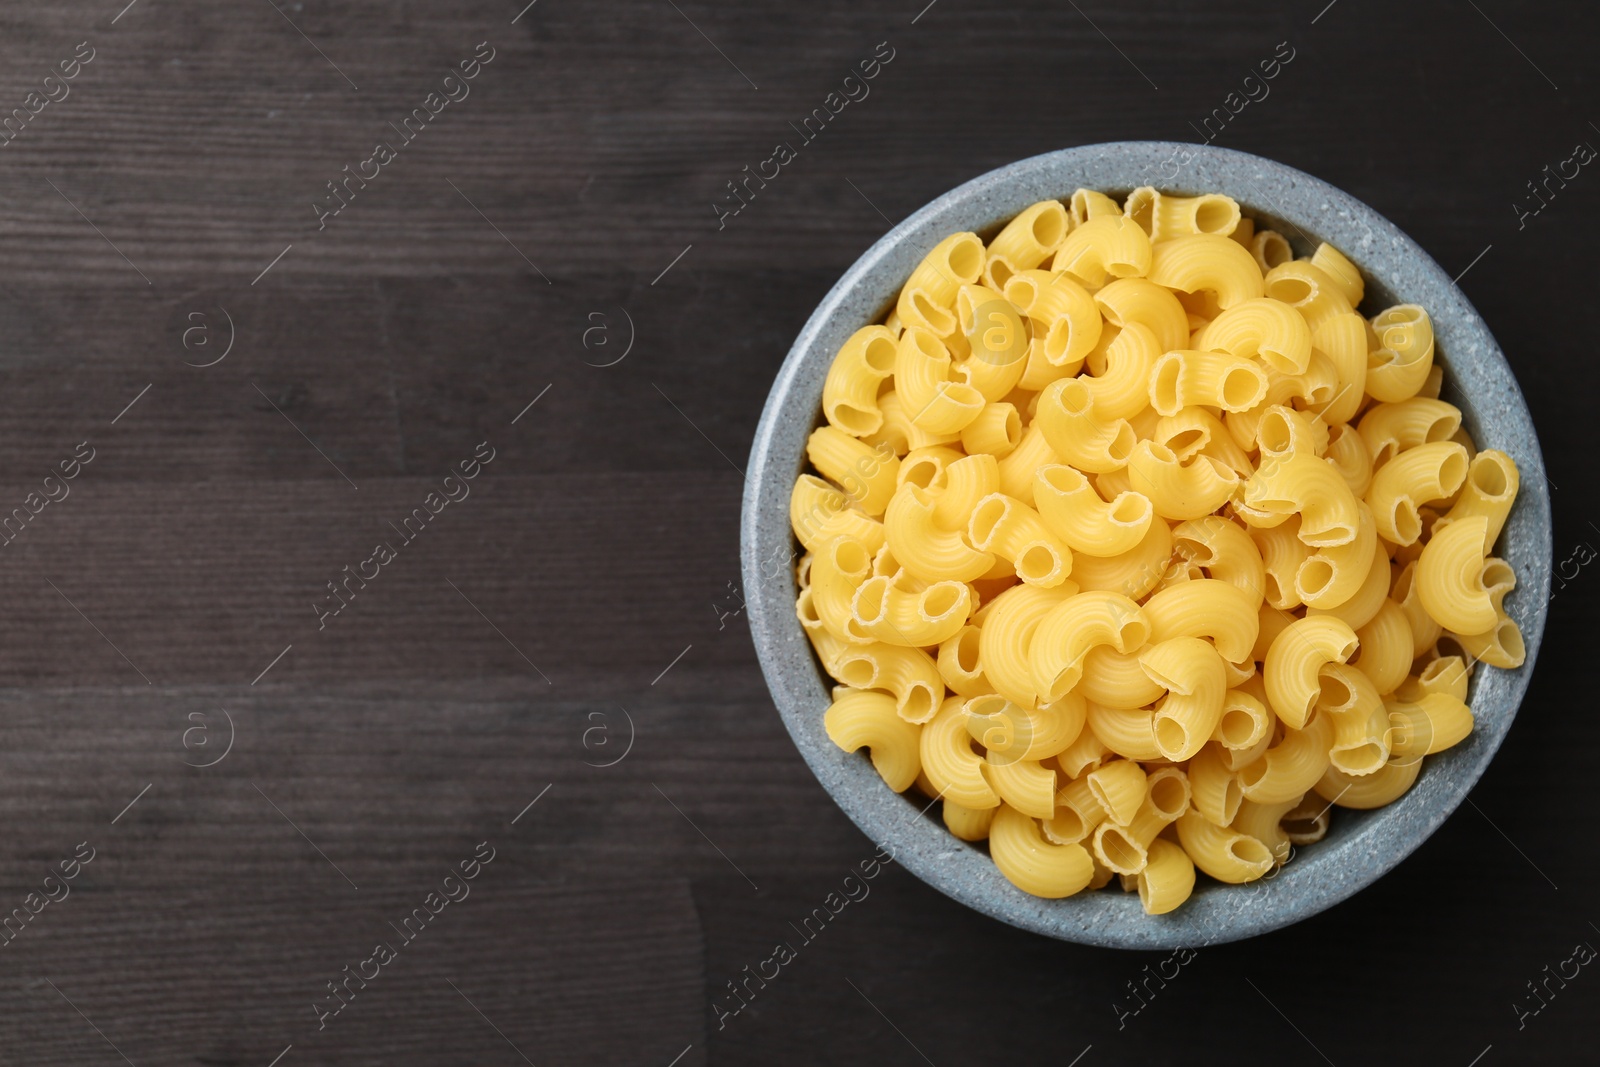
1375,842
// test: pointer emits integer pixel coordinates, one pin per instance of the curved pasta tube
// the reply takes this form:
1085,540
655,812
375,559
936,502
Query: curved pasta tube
1193,377
1264,823
1489,491
1263,329
1246,725
996,430
1224,854
1067,418
927,300
1026,241
850,392
1025,785
1176,490
1195,431
1347,453
896,616
1499,646
1388,429
1109,245
1385,654
1447,674
1009,733
1343,273
1063,313
1128,732
1207,607
1007,635
1124,847
1014,532
1083,755
1437,722
1192,673
1270,249
1360,723
1164,217
838,569
1033,864
858,719
867,475
819,513
1282,430
1225,552
1307,822
1399,367
1343,339
1122,363
898,433
909,673
1419,475
1077,813
1214,789
1167,879
1087,204
967,824
1303,485
1040,372
1331,576
1289,769
1293,668
1075,513
1449,578
1115,680
1206,261
1120,788
1366,600
960,662
927,551
998,338
1424,629
925,467
955,771
1369,791
1136,300
1075,626
966,481
1308,290
1018,465
1132,574
924,381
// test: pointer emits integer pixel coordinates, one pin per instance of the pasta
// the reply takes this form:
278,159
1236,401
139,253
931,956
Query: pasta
1137,543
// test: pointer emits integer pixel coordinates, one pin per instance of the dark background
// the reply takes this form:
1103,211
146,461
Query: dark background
602,541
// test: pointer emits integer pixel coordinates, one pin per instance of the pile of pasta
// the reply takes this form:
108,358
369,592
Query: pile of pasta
1132,543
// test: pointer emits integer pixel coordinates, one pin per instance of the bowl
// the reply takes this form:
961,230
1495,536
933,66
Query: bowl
1361,845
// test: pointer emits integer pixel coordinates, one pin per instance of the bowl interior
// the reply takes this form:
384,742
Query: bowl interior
1360,846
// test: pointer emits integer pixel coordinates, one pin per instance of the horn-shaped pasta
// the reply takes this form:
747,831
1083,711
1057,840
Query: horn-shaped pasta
1263,329
1025,242
949,762
1115,680
1127,732
1246,723
1282,431
1343,273
1224,551
1304,485
1076,432
867,475
1374,790
1224,854
1072,628
1120,788
1083,755
1264,823
1308,290
898,433
838,569
1192,673
927,551
1136,300
1014,532
1347,452
1125,847
1360,723
1018,465
1287,770
1385,642
1489,491
1077,813
1195,431
1447,674
966,481
1270,249
1205,379
967,824
928,299
1436,722
909,673
1133,573
1176,490
998,339
925,467
923,380
820,513
1366,600
1164,217
850,392
1034,864
1121,363
1342,339
996,430
1087,204
1076,514
1026,785
1008,629
1167,879
1449,578
960,662
1110,245
1206,261
1214,789
1388,429
1399,367
897,616
1294,665
1331,576
859,719
1063,313
1210,608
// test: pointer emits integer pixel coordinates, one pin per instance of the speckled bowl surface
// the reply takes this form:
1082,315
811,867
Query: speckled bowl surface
1361,846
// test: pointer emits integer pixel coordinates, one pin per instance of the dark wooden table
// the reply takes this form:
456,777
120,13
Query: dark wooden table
267,792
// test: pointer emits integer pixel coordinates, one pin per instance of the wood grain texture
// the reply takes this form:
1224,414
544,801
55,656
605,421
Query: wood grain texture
581,586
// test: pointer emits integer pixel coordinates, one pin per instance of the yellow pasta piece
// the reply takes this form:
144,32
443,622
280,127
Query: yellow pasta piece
1449,578
1192,672
1167,879
1177,490
1062,311
887,612
923,548
1025,242
1209,608
1400,366
1215,790
1224,854
1292,766
960,662
1076,514
1034,864
1077,813
1072,628
1106,246
928,299
1014,532
968,824
949,762
1119,787
1007,636
1488,492
1294,664
1075,431
858,719
1206,261
1164,217
1208,379
1133,573
1416,476
1137,300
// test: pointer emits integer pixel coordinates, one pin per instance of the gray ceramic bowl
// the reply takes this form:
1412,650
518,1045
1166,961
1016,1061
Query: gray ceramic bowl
1361,846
